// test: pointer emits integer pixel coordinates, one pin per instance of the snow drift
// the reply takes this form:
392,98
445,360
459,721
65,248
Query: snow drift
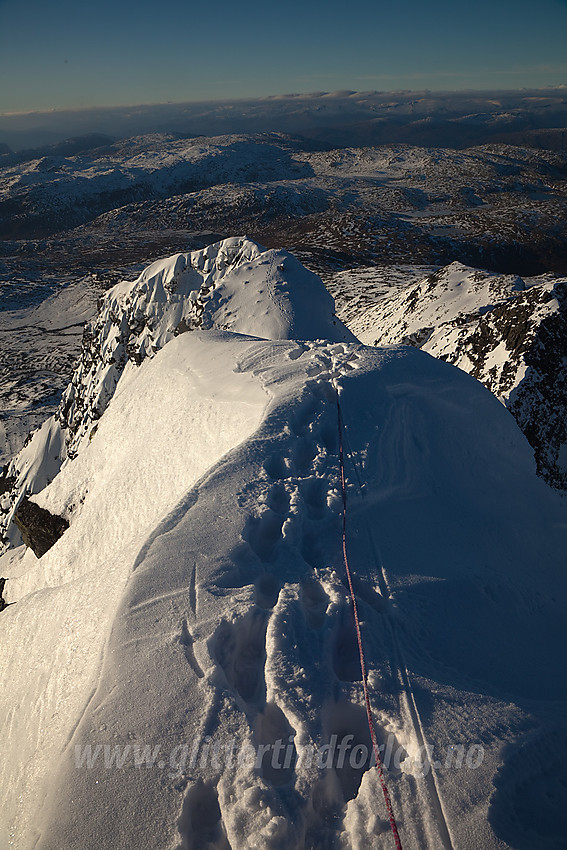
195,612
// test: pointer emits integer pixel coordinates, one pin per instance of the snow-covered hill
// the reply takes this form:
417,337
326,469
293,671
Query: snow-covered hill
508,332
57,192
234,285
181,667
494,206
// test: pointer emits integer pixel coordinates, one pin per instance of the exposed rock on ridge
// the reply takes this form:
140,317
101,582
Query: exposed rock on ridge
509,333
39,528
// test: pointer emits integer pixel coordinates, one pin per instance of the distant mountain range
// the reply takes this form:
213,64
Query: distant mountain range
496,206
68,147
344,118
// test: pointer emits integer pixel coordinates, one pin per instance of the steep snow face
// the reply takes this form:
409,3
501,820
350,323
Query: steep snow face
181,414
509,333
198,599
232,285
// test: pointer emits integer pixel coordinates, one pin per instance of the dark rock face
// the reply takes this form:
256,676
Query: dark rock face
3,603
539,402
533,381
39,529
6,481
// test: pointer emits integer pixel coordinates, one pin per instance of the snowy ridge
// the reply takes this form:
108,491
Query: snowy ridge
198,597
233,285
136,319
509,333
213,607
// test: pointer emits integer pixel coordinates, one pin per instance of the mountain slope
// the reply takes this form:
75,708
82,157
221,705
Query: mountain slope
198,600
509,333
233,285
38,353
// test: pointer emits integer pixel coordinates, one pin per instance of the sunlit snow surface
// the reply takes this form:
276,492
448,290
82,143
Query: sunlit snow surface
233,285
509,333
199,595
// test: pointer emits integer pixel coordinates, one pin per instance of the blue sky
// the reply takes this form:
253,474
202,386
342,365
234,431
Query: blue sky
70,54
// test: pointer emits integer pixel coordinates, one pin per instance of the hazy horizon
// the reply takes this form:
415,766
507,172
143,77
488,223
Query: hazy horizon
345,117
559,88
65,55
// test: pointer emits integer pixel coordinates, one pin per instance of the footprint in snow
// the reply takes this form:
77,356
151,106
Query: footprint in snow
200,823
240,649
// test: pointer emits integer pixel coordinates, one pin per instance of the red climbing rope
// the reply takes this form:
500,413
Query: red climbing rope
379,766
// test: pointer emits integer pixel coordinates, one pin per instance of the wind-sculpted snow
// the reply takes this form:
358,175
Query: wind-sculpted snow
197,604
182,667
509,333
233,285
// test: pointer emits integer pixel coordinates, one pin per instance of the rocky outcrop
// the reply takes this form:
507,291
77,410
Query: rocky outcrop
40,529
6,481
509,333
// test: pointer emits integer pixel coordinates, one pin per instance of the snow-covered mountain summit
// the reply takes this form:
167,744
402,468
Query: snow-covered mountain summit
233,285
182,667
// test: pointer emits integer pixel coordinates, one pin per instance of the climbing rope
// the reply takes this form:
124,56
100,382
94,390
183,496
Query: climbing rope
379,767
